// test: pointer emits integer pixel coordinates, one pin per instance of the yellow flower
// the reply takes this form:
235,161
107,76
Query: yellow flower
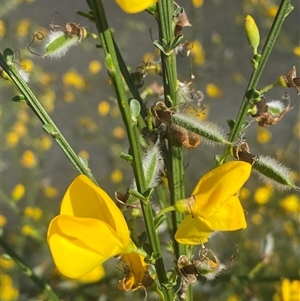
89,230
116,176
198,53
214,204
135,273
18,192
290,290
28,159
291,203
213,90
263,194
95,67
135,6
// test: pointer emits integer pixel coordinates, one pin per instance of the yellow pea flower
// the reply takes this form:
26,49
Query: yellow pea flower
214,204
89,230
135,6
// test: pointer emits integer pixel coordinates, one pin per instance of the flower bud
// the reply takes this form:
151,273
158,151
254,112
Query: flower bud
252,33
185,205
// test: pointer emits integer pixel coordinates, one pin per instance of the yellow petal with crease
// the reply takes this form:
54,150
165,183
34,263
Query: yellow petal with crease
193,231
85,199
230,217
217,186
78,245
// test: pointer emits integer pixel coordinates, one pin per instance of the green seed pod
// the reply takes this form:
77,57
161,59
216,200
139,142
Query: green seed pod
208,130
252,33
274,173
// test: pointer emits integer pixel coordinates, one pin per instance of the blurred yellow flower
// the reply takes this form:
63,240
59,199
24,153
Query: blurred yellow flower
18,192
233,298
3,220
28,159
290,290
2,28
214,204
73,79
244,193
23,27
271,11
50,191
115,112
213,90
12,139
103,108
197,3
291,203
119,132
46,142
20,129
257,219
95,67
28,64
296,50
27,230
8,291
262,194
84,154
89,230
116,176
6,263
88,123
69,96
263,135
135,6
198,53
33,212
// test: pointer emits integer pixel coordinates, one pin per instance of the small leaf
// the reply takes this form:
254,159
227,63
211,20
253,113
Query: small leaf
177,41
48,128
135,109
158,221
127,157
19,98
108,63
9,56
230,123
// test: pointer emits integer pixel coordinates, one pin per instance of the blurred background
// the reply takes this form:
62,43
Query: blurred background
76,93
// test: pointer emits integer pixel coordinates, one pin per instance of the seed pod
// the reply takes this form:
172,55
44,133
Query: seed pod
273,172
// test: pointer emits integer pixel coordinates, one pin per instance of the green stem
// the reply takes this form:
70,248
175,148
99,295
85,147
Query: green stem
108,46
49,125
282,12
174,165
164,211
175,170
29,272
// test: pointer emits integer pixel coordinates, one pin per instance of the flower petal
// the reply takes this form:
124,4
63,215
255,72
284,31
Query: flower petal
217,186
193,231
135,6
230,216
78,245
85,199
